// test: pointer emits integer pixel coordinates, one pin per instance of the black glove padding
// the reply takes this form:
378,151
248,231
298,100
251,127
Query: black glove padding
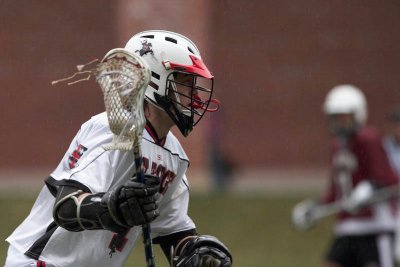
130,204
202,251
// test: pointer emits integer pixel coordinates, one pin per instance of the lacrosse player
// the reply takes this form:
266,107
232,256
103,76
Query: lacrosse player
360,168
91,210
392,140
392,147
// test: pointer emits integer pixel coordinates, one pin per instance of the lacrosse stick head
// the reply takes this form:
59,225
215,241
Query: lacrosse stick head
302,215
123,78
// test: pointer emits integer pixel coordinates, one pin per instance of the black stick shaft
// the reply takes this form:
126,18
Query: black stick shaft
148,244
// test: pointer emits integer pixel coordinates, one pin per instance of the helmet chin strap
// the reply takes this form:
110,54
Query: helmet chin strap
183,122
153,104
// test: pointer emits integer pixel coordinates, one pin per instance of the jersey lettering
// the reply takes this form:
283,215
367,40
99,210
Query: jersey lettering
75,156
159,170
118,242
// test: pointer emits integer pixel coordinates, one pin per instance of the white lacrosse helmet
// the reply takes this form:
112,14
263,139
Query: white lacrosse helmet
168,53
347,99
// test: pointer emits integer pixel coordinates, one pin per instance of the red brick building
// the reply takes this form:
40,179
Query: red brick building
274,61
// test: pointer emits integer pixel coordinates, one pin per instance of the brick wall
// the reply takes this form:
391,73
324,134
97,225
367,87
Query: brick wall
42,41
274,61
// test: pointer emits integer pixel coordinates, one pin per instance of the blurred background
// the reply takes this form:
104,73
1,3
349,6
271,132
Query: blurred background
274,62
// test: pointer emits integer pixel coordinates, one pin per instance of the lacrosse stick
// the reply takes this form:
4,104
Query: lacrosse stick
307,212
123,78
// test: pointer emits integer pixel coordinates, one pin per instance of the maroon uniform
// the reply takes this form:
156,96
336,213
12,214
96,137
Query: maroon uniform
363,234
370,163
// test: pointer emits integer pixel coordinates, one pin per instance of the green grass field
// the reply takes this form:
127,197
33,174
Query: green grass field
257,229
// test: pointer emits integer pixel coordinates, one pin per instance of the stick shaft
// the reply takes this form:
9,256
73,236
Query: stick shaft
148,244
380,195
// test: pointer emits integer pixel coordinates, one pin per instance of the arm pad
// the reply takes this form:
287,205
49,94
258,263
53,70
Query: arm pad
76,211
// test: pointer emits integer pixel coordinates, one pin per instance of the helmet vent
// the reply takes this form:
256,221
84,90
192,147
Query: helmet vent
152,84
147,36
155,75
172,40
190,50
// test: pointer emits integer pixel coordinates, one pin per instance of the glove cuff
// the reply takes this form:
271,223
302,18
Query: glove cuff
107,215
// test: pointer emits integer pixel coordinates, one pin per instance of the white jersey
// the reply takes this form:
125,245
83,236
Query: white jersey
89,166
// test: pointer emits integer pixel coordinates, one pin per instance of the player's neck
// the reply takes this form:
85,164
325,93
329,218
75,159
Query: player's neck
160,121
160,129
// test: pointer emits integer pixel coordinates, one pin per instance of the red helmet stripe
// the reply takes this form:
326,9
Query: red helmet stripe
198,67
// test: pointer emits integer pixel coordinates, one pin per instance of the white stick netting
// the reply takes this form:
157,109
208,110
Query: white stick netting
123,78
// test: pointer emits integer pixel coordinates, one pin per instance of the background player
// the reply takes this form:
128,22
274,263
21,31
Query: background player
392,147
392,139
90,195
363,233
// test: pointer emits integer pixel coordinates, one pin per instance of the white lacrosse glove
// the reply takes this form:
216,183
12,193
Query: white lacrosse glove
359,197
303,216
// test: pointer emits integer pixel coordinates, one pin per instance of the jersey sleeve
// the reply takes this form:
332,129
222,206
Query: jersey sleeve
377,162
86,161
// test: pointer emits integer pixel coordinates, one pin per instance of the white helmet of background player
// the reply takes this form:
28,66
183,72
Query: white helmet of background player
168,53
347,99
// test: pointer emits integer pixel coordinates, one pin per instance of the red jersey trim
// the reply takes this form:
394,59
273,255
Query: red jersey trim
150,129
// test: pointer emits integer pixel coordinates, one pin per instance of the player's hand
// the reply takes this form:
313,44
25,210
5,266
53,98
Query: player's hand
132,203
359,197
138,203
210,261
202,251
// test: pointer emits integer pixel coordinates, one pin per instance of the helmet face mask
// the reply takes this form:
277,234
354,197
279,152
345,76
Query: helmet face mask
181,84
342,125
186,101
